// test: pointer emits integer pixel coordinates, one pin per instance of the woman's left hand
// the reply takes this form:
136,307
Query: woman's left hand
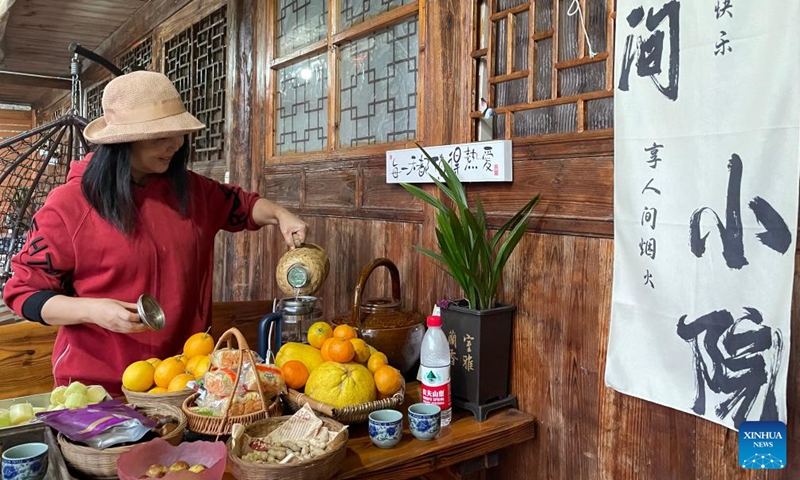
290,225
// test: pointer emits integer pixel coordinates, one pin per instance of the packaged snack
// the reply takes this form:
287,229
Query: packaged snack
101,425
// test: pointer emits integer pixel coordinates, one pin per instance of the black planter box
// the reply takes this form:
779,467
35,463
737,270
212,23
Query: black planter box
480,352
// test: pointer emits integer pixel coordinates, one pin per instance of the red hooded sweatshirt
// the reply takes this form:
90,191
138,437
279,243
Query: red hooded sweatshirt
168,256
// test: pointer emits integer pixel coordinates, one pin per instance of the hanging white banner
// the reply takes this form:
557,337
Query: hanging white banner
707,140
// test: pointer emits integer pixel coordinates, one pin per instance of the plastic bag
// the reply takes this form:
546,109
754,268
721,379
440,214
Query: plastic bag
133,464
101,425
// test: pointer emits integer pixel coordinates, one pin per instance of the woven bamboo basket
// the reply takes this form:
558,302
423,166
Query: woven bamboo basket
348,415
171,398
323,467
221,425
102,464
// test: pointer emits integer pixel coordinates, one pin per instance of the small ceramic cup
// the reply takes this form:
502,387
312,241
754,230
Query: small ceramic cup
25,462
424,420
385,428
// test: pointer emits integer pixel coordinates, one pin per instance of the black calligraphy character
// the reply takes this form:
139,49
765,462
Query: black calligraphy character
776,235
455,158
648,247
471,155
648,187
488,157
732,358
649,217
395,170
722,45
653,154
651,49
648,279
722,7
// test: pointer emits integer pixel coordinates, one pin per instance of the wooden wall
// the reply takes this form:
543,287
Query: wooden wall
560,276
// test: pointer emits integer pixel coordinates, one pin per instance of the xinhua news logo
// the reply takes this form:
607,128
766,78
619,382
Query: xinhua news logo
762,445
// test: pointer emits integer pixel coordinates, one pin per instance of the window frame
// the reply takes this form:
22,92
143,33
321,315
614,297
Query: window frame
487,32
331,46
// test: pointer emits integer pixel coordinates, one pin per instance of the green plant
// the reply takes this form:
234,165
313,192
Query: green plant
469,253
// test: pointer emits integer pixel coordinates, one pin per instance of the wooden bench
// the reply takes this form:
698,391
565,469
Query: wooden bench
26,347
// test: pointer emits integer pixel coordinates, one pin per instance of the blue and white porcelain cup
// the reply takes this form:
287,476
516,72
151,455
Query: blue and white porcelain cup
25,462
424,420
385,428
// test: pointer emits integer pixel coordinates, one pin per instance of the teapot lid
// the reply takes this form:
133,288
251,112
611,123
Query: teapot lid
379,304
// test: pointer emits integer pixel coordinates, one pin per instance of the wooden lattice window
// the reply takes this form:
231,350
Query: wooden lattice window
139,56
94,98
196,60
344,74
544,67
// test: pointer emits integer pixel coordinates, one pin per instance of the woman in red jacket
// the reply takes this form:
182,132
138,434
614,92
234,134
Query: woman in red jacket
131,219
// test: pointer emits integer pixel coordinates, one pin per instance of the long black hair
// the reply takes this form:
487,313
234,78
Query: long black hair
107,181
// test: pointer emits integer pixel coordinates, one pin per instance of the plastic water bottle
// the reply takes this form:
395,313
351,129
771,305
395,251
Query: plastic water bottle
435,368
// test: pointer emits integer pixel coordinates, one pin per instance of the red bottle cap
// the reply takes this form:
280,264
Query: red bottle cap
434,321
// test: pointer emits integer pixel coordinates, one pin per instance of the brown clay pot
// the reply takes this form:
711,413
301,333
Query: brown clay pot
382,324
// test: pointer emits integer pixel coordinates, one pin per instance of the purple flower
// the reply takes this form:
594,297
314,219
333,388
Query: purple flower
443,303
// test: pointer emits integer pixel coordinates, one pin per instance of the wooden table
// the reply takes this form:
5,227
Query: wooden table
464,439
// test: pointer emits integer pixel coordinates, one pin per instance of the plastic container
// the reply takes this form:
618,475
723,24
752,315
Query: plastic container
435,368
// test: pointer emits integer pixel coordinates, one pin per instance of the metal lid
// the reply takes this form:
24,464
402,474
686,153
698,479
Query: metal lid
150,312
297,305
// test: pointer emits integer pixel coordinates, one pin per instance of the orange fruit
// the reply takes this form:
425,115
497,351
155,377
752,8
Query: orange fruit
138,376
179,382
341,350
294,374
326,356
318,333
198,344
376,361
153,361
168,369
183,359
201,366
344,331
361,348
388,380
157,390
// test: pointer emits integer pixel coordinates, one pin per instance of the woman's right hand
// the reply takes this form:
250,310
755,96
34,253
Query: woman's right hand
114,315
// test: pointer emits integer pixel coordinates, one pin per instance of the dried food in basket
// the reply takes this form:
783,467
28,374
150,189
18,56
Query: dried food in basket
300,438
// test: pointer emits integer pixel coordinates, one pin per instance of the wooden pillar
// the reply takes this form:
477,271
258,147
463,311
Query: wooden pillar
445,104
241,164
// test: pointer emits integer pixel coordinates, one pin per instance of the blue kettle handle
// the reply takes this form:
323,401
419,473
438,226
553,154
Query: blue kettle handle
264,339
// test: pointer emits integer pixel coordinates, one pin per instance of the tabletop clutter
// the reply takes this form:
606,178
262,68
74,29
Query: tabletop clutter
284,413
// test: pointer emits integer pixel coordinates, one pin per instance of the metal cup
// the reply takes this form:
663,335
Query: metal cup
150,312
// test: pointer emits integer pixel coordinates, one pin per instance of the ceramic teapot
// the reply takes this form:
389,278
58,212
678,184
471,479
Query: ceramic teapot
382,324
302,270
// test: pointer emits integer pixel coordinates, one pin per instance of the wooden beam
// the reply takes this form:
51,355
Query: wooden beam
148,17
49,99
24,80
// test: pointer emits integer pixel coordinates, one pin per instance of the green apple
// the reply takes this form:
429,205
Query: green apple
96,394
58,395
20,413
5,417
76,400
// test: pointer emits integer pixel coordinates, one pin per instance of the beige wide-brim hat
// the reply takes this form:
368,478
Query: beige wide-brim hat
141,105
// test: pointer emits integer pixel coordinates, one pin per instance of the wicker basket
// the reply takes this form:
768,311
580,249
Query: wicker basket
221,425
349,415
323,467
103,463
171,398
